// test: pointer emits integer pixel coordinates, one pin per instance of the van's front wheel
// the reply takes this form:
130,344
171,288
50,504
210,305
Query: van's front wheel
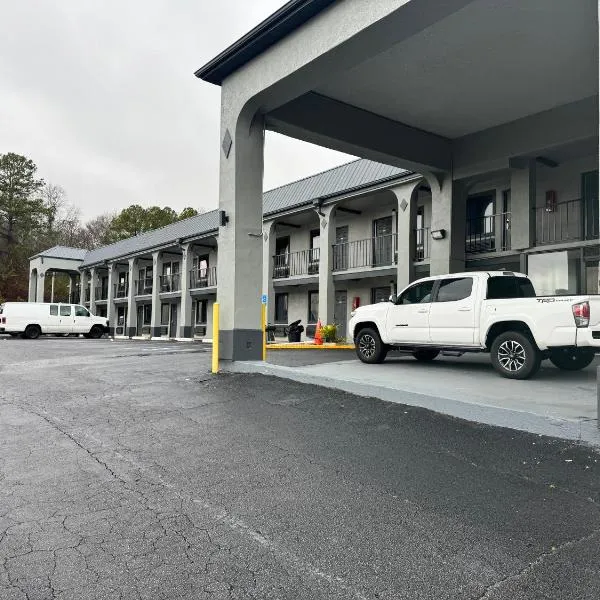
96,332
369,347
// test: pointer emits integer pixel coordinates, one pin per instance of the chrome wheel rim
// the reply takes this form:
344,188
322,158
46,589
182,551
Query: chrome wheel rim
512,356
366,346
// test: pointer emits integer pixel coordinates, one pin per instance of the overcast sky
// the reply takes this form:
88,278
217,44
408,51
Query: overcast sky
101,94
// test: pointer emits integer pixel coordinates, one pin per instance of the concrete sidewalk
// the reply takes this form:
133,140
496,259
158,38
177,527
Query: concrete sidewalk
556,403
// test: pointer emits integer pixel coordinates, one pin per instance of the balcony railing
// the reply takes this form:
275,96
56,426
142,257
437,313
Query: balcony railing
574,220
305,262
170,283
143,287
203,278
372,252
101,292
490,233
421,244
121,290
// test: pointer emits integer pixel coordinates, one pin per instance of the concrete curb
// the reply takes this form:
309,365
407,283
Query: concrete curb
581,430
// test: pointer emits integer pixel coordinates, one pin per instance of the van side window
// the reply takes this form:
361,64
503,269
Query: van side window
54,310
65,311
81,312
451,290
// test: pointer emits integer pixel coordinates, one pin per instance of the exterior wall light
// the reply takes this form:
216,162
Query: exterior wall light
438,234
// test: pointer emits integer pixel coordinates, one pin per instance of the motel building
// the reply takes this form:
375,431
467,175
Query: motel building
477,124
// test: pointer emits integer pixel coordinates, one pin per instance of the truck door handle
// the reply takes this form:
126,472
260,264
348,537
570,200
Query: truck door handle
464,308
422,310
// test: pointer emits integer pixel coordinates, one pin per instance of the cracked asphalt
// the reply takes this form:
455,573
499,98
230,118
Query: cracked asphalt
128,471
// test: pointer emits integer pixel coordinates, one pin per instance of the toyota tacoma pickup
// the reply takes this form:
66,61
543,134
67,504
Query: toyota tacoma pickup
496,312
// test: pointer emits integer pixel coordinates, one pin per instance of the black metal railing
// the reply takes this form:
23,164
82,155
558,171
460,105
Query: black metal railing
372,252
573,220
143,287
170,283
203,278
121,289
421,244
490,233
304,262
101,292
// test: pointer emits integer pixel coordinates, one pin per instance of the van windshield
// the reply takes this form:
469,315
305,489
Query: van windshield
1,308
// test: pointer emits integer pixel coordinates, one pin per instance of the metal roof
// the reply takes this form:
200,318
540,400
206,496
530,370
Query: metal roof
351,176
170,234
356,175
274,28
63,252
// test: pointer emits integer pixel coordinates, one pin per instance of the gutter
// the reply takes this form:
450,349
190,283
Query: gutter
274,28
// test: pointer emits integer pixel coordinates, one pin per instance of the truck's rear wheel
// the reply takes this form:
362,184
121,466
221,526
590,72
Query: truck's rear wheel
515,356
369,347
425,355
571,359
32,332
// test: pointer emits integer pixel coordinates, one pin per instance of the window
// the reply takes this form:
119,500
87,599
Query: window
506,286
282,245
419,293
81,312
451,290
380,294
313,307
315,239
164,314
281,308
201,312
54,310
65,311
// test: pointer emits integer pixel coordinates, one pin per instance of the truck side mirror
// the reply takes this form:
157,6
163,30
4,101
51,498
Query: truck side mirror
393,298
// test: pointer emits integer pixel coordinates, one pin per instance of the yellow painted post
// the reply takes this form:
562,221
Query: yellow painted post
215,338
263,325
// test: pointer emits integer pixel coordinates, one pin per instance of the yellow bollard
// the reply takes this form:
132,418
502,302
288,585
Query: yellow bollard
263,326
215,338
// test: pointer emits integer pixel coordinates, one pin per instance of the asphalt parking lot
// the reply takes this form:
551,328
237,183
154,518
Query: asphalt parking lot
128,471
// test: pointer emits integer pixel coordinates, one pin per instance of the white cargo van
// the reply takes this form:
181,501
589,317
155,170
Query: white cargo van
32,319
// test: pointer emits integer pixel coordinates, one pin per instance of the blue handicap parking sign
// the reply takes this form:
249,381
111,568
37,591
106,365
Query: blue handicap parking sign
264,299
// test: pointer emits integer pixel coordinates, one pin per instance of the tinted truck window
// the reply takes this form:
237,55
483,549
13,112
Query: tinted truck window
452,290
509,287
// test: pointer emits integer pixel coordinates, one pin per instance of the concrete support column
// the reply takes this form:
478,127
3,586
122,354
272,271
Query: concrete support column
93,284
448,213
522,203
326,284
185,326
82,287
111,313
155,317
52,286
131,305
406,223
269,244
240,248
39,290
33,281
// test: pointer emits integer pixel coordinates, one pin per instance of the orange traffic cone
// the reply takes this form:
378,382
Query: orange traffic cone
318,336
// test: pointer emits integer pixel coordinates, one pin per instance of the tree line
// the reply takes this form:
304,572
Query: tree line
35,215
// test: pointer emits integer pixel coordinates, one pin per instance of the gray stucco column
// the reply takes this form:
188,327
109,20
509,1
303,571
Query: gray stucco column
185,325
522,203
406,223
240,247
39,290
269,244
93,284
83,287
448,213
155,316
110,301
131,305
33,280
326,284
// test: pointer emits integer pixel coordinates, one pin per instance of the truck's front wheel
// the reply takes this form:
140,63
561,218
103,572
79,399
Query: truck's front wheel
515,356
369,347
571,359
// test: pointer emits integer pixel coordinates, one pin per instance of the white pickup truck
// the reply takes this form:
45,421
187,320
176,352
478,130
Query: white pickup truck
496,312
